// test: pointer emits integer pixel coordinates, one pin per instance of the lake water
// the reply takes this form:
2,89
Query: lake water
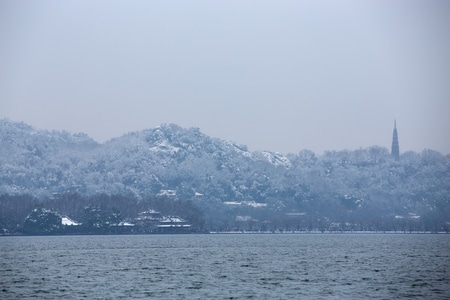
228,266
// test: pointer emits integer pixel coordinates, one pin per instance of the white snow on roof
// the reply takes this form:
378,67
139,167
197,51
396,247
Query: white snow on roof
248,203
172,220
296,214
125,224
167,193
232,203
244,218
254,204
173,225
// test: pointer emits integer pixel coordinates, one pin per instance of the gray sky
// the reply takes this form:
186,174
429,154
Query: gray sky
273,75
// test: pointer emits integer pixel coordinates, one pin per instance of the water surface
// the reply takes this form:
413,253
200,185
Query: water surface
231,266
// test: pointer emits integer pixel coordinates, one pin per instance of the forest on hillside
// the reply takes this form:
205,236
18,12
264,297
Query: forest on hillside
226,185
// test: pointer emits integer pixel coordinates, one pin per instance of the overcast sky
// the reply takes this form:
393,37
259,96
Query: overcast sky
273,75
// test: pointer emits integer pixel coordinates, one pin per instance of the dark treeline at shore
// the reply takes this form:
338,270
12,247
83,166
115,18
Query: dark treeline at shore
97,214
110,214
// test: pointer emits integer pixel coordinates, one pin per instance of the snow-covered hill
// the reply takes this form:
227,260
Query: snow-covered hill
145,163
187,164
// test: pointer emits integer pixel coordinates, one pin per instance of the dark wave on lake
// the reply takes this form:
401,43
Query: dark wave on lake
228,266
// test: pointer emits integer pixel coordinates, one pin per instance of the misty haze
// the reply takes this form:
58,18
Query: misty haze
224,150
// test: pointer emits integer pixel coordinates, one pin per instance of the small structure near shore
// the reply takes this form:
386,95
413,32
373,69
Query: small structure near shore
172,224
154,222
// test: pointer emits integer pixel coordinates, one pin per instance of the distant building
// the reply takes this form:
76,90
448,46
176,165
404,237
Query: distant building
150,215
153,222
173,224
395,150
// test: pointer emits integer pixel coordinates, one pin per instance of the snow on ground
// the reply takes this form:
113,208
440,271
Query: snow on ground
164,146
277,159
68,221
249,203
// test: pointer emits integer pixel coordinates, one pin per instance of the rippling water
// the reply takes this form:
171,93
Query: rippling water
232,266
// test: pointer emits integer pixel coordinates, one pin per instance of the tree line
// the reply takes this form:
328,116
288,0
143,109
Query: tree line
103,214
97,214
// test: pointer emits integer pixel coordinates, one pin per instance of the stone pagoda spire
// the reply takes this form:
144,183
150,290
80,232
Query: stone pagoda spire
395,150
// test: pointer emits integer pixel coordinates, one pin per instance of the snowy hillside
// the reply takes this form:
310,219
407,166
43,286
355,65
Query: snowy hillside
144,163
186,164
